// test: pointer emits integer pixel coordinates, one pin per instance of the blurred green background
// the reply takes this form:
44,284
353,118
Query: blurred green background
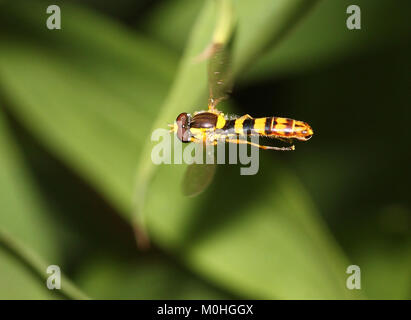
77,107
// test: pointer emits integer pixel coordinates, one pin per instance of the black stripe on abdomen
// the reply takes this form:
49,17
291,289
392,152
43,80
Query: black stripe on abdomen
268,127
229,127
248,126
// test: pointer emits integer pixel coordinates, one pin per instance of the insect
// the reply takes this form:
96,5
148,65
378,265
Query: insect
211,126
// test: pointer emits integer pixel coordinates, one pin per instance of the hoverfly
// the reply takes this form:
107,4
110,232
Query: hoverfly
211,126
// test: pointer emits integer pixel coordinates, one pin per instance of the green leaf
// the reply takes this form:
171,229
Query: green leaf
21,284
29,230
180,16
260,24
265,241
93,97
142,277
89,95
322,38
269,243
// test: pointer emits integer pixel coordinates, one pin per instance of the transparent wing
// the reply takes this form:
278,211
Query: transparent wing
197,178
219,74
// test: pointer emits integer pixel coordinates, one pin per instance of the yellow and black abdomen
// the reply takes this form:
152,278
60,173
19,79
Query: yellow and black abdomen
269,127
289,128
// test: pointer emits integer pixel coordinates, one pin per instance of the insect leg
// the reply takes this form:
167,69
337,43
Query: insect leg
196,140
240,141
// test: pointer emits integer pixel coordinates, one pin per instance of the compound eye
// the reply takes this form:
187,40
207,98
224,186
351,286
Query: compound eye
183,130
182,119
